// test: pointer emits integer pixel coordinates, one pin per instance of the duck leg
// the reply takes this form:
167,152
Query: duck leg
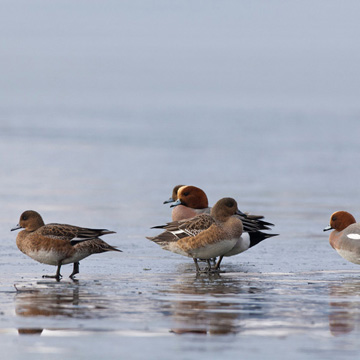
75,270
197,266
217,266
57,276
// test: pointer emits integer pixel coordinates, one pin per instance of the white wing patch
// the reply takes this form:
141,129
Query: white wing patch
353,236
191,232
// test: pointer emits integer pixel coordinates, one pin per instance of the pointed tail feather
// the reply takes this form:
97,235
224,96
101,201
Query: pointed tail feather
158,227
253,223
258,236
164,238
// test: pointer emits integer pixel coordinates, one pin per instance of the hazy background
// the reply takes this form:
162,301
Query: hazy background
66,57
258,93
106,105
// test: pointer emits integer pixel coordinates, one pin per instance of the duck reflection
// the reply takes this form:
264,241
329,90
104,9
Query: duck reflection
54,301
212,304
344,314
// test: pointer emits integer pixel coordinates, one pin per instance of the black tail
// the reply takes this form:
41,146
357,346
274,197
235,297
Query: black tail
258,236
254,222
158,227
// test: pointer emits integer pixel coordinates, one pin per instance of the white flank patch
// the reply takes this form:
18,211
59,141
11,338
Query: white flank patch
353,236
242,244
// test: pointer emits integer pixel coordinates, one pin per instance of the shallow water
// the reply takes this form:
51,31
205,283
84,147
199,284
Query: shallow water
103,112
312,314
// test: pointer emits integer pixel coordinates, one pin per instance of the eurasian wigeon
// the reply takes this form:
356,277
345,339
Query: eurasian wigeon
189,201
345,237
246,241
58,244
205,236
192,201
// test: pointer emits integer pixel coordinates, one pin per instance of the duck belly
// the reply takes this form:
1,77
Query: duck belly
351,256
53,257
49,257
213,250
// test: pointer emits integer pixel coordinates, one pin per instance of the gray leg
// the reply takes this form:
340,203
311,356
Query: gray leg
75,270
57,276
197,266
217,266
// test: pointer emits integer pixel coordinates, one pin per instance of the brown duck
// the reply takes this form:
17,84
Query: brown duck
58,244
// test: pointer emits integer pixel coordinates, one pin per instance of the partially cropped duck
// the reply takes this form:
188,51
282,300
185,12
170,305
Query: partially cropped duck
189,201
173,196
345,237
58,244
207,236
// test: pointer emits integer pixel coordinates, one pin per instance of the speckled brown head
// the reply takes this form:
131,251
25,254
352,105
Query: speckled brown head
225,208
340,220
193,197
30,220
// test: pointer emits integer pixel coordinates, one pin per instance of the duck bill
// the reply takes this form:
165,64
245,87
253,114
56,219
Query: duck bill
238,212
17,227
176,203
328,228
170,200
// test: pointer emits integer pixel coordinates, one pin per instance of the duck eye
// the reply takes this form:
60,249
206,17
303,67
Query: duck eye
333,218
24,217
229,204
186,193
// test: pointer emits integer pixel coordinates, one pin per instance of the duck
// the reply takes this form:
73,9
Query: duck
188,201
345,237
193,201
58,244
205,236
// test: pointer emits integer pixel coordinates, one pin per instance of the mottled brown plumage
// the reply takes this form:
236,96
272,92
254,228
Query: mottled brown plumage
191,201
58,244
176,230
208,236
